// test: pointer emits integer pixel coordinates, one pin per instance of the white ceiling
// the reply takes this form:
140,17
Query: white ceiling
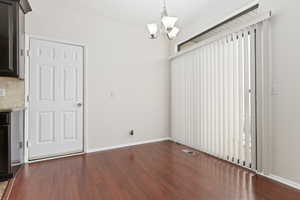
143,11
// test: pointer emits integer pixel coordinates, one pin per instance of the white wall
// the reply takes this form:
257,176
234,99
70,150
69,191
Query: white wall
285,49
127,74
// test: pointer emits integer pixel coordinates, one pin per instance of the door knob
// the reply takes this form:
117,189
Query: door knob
79,104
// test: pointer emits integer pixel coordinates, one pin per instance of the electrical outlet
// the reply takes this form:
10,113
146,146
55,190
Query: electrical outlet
131,133
2,92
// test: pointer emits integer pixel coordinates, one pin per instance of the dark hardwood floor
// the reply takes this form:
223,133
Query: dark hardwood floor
158,171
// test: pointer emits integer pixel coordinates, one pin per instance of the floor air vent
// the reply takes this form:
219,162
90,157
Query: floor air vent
189,152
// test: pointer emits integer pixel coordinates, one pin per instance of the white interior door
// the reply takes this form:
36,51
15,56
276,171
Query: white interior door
55,99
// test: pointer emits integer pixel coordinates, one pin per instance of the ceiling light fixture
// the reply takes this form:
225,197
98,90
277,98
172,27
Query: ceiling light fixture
166,25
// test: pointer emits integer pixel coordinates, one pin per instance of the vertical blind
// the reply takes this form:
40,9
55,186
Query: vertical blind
213,98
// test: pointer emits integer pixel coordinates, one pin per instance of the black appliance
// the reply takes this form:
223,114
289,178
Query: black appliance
11,144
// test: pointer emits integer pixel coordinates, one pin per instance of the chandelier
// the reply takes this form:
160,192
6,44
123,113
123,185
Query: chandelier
165,27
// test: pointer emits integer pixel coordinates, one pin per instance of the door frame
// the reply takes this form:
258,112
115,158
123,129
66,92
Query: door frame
28,37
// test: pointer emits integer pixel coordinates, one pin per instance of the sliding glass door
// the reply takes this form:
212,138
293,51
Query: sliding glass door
213,98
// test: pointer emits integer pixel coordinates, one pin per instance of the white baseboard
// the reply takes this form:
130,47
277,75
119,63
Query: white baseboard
127,145
285,181
282,180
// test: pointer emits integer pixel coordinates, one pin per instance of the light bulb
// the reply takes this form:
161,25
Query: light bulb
173,33
169,22
152,28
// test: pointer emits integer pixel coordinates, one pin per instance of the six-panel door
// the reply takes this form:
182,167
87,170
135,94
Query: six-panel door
56,99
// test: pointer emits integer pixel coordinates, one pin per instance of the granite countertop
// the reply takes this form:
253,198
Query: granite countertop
12,109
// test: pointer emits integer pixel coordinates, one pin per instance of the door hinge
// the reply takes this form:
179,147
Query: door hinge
28,98
28,144
28,52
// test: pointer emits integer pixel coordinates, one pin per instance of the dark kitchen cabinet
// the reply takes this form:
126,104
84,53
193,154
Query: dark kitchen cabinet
12,37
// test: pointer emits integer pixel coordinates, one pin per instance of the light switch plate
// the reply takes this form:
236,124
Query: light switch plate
2,92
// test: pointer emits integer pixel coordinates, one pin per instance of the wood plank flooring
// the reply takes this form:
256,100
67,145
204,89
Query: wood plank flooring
158,171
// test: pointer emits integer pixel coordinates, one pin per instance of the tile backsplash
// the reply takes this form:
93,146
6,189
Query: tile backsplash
14,93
